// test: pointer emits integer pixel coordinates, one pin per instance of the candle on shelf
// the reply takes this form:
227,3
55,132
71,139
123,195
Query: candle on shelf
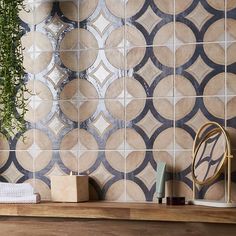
70,188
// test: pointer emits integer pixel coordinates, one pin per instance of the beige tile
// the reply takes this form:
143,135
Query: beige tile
215,52
231,32
134,159
134,193
116,38
70,109
116,160
164,88
134,56
70,159
165,55
231,58
42,110
4,145
87,109
164,107
165,140
184,34
116,57
41,188
4,157
184,106
116,192
70,141
231,4
27,14
116,89
70,10
101,175
42,11
87,8
165,6
87,89
134,89
70,90
87,141
231,83
215,32
41,159
215,106
181,189
117,8
165,35
183,140
116,108
218,5
134,107
183,87
134,37
116,140
134,140
216,85
86,161
184,53
216,192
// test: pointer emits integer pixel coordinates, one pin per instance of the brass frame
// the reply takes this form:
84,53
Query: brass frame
226,159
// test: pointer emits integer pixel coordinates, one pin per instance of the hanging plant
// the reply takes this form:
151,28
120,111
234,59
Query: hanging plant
12,84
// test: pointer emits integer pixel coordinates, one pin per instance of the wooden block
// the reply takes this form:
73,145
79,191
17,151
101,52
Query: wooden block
70,188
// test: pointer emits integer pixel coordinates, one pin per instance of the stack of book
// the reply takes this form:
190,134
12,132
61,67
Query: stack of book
18,193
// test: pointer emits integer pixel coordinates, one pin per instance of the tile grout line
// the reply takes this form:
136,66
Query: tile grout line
174,99
34,100
78,101
125,84
136,46
225,77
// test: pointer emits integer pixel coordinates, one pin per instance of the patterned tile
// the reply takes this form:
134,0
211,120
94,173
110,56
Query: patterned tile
116,86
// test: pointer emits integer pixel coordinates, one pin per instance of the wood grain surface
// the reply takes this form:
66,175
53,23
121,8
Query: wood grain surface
122,211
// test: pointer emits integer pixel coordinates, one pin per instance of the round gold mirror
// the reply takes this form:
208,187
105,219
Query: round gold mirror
209,156
211,151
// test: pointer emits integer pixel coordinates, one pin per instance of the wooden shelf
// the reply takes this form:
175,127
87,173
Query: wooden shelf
121,211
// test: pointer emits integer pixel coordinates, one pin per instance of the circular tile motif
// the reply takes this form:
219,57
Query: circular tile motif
116,88
218,5
164,35
70,140
34,152
116,191
34,14
134,192
115,140
37,52
87,141
164,140
184,34
134,108
4,145
116,160
215,53
87,109
164,55
215,31
183,107
164,87
87,8
70,10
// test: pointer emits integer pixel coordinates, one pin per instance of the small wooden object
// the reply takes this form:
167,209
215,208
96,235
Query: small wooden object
70,188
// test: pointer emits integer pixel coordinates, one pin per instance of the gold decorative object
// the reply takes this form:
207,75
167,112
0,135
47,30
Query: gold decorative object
211,153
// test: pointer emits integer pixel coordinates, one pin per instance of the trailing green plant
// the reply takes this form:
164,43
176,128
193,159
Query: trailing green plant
12,75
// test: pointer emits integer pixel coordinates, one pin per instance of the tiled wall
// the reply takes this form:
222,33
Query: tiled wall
119,84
